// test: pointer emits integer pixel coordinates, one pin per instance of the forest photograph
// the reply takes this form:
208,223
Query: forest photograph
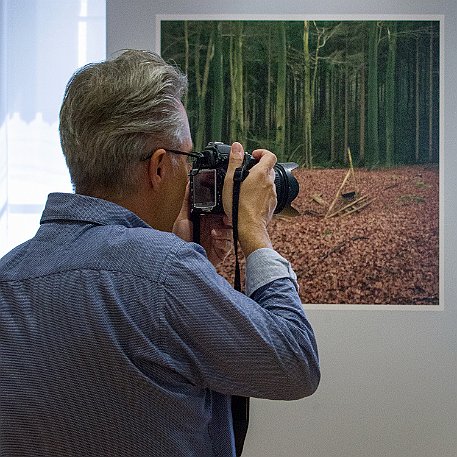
356,105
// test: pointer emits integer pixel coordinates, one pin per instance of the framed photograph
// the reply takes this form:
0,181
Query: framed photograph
355,104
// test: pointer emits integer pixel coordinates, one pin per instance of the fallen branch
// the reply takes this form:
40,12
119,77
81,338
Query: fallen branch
391,186
340,246
311,212
320,200
332,205
358,208
352,207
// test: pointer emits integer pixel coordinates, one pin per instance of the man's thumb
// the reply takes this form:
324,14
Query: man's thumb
235,159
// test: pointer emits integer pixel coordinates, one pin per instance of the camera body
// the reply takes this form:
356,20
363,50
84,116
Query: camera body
208,174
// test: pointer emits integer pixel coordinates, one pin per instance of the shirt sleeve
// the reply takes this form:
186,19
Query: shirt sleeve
221,339
264,266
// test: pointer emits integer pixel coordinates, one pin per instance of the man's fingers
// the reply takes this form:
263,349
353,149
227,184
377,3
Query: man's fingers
265,157
185,209
223,235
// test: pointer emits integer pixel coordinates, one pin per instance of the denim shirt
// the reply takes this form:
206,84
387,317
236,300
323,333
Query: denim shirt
120,340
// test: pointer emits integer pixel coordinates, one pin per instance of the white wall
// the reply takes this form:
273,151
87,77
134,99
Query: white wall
389,384
3,114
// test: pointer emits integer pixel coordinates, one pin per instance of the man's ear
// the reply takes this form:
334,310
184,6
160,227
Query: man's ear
156,168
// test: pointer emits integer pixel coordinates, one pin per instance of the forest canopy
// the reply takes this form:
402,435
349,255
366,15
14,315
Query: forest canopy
309,90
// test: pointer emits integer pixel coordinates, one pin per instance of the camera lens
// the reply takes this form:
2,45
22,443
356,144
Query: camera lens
286,185
216,156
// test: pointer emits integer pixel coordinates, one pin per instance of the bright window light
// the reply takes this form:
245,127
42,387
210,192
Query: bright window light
42,42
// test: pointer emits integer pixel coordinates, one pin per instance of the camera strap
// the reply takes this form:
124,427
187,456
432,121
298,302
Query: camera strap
240,405
239,176
195,218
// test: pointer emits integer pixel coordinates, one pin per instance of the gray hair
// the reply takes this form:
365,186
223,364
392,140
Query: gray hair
112,111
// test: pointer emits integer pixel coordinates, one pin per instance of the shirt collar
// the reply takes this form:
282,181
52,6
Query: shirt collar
82,208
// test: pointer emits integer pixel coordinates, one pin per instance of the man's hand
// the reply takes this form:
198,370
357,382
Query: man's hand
216,237
215,231
257,200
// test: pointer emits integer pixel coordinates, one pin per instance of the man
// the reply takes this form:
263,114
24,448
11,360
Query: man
117,336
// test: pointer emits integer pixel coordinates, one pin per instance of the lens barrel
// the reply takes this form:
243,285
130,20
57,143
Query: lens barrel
287,187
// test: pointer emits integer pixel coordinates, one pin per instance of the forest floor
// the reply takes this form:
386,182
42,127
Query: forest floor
385,253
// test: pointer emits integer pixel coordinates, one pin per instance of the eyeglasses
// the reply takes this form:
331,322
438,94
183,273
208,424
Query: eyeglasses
191,156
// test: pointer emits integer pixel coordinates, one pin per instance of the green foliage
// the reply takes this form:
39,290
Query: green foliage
381,100
411,199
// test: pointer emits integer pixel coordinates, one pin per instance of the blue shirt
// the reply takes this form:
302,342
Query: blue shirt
120,340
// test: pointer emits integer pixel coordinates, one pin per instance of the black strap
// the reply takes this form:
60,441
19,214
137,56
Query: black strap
240,405
195,217
238,178
240,417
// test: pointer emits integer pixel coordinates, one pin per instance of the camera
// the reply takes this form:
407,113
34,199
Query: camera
207,180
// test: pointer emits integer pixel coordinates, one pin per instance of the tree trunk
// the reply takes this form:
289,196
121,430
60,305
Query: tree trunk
186,58
333,82
391,94
307,100
373,139
268,94
236,79
346,110
362,115
202,88
430,97
281,92
417,149
218,85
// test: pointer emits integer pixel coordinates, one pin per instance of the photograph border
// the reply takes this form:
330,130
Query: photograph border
353,17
